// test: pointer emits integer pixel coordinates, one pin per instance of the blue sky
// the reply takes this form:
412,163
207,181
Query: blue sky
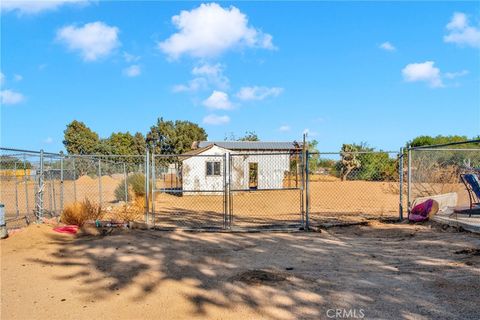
376,72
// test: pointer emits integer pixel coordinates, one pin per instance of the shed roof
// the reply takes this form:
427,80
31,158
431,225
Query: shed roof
252,145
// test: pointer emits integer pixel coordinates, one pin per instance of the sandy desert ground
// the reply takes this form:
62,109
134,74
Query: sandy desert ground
385,271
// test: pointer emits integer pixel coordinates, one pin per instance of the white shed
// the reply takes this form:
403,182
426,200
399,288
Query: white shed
246,165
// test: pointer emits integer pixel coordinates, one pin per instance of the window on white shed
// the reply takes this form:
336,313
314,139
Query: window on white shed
213,168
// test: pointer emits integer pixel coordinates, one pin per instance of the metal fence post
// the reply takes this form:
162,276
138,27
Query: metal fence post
53,207
26,182
225,192
61,181
409,179
41,186
400,172
154,185
307,192
74,180
229,191
17,212
125,177
147,172
100,182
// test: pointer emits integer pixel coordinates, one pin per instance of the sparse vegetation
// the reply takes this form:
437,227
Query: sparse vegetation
78,213
349,160
135,185
131,211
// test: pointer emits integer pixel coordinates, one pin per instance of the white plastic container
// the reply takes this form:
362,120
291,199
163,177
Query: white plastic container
3,225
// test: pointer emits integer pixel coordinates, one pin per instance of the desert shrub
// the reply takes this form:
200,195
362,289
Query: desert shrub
78,213
120,191
131,212
135,184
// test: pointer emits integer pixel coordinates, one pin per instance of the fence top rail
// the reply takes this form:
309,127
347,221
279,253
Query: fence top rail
23,151
353,152
96,156
267,154
433,146
448,149
182,156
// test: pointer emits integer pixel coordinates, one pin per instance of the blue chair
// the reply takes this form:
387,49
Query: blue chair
472,184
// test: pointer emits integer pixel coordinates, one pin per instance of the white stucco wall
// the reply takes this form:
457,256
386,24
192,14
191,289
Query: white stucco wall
271,170
194,171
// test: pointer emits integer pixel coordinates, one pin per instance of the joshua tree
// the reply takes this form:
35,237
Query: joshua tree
349,160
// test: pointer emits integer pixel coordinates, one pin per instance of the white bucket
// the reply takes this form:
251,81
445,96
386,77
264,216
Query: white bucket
3,225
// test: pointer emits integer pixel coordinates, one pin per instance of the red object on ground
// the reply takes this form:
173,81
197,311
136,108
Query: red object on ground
420,212
71,229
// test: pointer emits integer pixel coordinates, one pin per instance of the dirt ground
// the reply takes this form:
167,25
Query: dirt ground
382,271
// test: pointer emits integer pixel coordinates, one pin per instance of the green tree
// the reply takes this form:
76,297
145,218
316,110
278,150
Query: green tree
168,137
361,162
349,161
429,140
314,158
80,139
10,162
123,143
249,136
139,144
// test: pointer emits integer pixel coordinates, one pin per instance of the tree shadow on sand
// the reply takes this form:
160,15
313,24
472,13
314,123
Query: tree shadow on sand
390,272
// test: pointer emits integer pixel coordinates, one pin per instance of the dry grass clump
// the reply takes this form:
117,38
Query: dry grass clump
78,213
133,211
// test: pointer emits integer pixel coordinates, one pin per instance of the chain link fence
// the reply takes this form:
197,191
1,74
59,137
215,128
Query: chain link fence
353,186
19,179
38,185
436,172
229,190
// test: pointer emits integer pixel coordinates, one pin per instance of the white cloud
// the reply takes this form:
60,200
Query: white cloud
130,57
258,93
214,119
17,77
459,21
48,140
34,6
218,100
210,30
453,75
192,86
461,32
132,71
213,74
387,46
94,40
11,97
206,75
425,72
2,78
284,128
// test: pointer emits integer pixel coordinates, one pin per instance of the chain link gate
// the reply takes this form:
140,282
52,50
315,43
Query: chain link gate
189,191
266,190
227,191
